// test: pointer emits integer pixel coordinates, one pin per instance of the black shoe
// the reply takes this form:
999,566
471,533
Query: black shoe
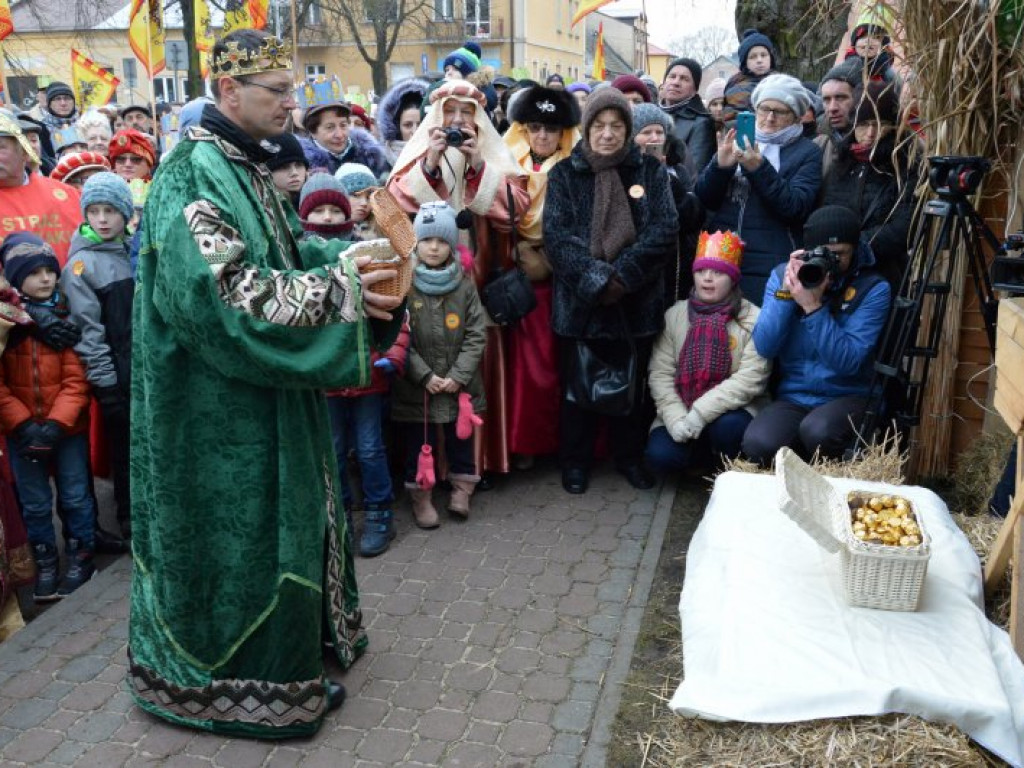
80,568
487,481
107,543
638,476
575,480
46,573
335,695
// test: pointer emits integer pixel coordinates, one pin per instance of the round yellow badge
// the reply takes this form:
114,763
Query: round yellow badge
732,343
636,191
60,194
78,267
452,321
850,293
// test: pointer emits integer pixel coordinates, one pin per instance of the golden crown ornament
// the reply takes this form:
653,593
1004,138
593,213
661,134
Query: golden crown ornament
273,55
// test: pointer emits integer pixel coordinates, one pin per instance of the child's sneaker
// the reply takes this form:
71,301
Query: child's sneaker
80,568
46,559
378,531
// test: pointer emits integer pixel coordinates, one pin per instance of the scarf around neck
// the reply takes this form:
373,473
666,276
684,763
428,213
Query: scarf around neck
530,222
705,359
611,223
328,231
437,282
771,144
217,123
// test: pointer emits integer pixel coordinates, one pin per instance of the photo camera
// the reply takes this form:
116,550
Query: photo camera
818,263
453,137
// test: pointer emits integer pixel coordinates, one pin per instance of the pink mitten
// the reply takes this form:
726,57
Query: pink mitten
425,468
467,419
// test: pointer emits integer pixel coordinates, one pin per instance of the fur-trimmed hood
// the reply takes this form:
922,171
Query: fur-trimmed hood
387,110
362,148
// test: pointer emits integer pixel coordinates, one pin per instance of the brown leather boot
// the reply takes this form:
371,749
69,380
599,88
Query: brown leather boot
462,488
422,508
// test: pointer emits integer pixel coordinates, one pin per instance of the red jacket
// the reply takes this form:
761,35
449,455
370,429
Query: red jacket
38,382
380,382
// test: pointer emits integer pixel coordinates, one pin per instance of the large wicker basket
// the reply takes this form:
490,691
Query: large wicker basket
873,575
393,222
383,256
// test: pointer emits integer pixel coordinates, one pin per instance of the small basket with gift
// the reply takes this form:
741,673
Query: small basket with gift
394,252
881,540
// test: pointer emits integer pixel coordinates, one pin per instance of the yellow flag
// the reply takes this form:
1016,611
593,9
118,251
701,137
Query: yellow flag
93,85
245,14
204,35
146,34
598,69
587,6
6,23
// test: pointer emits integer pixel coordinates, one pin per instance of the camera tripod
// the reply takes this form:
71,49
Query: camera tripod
948,230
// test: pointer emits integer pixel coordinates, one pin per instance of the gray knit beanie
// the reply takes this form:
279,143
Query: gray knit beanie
110,189
355,177
784,88
437,219
650,114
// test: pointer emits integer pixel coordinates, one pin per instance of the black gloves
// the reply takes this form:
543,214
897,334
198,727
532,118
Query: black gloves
35,440
52,330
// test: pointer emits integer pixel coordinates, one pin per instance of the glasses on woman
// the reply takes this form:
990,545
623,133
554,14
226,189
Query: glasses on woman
542,128
774,112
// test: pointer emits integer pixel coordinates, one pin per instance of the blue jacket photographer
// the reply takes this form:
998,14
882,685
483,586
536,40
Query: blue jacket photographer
821,319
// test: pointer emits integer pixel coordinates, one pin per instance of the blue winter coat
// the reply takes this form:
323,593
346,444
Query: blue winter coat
580,279
767,208
830,353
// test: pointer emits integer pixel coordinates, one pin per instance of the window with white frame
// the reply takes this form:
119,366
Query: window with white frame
313,71
444,10
478,18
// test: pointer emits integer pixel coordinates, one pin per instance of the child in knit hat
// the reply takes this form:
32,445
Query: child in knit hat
44,407
99,286
324,209
757,61
289,167
359,184
706,376
442,383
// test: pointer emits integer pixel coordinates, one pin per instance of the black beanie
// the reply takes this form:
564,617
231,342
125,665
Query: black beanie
877,102
290,151
690,64
831,225
57,88
751,39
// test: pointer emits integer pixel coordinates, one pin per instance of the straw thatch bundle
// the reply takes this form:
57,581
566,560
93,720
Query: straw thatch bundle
670,741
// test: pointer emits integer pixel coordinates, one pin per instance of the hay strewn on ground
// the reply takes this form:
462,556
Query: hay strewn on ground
671,741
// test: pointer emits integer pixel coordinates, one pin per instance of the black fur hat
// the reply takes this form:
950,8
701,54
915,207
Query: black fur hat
549,106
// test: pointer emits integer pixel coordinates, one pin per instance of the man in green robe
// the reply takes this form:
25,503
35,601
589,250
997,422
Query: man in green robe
243,567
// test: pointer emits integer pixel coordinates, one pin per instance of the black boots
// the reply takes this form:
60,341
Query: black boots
80,568
45,556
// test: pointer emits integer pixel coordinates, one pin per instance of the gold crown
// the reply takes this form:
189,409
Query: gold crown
273,55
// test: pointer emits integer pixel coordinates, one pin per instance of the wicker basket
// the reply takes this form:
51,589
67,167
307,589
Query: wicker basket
873,575
393,222
384,257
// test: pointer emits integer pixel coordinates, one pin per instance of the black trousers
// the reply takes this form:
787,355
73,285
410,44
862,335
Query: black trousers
116,430
829,428
627,433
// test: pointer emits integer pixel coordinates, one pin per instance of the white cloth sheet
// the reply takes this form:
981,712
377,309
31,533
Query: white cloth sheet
769,638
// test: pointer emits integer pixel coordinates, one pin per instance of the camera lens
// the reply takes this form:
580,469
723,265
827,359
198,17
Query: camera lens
811,275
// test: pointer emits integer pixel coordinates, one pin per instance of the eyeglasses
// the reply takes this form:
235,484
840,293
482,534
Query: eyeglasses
773,113
128,157
542,128
283,94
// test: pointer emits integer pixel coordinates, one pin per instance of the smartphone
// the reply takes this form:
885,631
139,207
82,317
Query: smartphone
745,129
655,149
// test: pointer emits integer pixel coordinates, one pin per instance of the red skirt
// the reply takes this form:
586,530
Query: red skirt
533,387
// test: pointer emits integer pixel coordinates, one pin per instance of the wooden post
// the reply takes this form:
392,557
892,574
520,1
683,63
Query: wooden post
3,79
295,40
1009,544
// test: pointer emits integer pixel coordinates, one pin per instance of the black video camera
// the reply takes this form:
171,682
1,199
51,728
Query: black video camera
818,263
453,137
957,175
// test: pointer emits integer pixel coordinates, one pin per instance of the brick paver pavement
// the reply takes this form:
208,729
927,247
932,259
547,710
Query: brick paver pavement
501,641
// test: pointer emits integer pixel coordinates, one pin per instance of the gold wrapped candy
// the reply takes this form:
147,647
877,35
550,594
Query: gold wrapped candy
887,520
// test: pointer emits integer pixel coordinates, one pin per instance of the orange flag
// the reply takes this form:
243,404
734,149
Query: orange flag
597,71
147,21
587,6
93,85
6,23
245,14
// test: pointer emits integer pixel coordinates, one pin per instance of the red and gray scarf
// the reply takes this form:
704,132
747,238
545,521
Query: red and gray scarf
705,359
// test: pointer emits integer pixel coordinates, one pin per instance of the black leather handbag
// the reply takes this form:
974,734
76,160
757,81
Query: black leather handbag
601,375
508,297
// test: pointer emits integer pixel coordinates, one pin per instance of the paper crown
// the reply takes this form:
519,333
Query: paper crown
273,55
320,92
721,250
65,137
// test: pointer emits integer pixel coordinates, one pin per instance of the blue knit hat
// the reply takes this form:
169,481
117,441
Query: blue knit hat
437,219
751,39
111,189
22,253
463,60
355,177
